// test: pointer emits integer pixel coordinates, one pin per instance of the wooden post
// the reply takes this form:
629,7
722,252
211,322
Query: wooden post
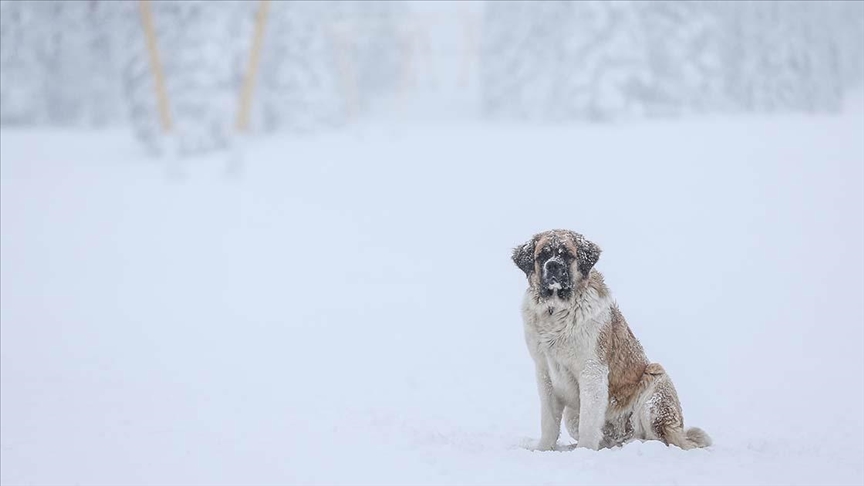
155,65
252,69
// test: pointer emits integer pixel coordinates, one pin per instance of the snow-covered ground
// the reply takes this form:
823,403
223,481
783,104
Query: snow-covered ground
345,310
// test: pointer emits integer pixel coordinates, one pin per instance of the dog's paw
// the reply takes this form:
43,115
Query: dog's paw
535,446
594,445
545,446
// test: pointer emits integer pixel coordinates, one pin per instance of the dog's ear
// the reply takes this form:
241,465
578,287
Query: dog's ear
587,253
523,256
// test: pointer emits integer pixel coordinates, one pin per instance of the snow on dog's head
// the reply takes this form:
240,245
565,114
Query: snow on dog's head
556,261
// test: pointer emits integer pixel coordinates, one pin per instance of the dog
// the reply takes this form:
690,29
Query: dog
590,368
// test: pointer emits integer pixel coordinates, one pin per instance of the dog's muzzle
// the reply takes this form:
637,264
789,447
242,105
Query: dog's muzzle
555,275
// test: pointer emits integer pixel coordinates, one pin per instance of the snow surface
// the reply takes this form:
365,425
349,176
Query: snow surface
343,309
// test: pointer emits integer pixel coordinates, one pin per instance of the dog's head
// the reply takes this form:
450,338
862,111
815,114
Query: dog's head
555,261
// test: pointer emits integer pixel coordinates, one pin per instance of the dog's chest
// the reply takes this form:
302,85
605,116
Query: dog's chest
565,342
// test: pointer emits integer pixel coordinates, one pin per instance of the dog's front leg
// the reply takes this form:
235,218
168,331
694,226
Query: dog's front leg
593,400
551,409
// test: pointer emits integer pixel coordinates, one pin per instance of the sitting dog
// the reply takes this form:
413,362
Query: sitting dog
590,368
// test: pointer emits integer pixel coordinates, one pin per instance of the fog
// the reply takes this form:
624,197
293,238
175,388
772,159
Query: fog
322,66
269,242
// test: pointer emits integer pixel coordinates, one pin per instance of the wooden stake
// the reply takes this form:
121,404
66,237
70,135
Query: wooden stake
252,69
155,65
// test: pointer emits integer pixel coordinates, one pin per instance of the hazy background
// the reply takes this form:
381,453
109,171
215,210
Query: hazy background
329,297
326,65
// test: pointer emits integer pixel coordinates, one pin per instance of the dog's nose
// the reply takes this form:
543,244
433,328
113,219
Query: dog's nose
554,268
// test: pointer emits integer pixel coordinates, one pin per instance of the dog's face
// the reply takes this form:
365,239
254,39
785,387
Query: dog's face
556,261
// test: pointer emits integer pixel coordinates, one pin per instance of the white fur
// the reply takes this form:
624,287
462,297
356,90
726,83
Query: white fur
562,339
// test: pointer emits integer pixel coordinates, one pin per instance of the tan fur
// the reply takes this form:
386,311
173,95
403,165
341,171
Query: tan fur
596,283
628,365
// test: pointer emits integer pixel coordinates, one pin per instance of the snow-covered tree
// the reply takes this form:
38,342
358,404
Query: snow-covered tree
683,47
20,71
59,64
43,46
517,52
64,57
607,60
601,67
200,65
198,73
104,101
782,57
376,48
562,60
324,60
299,86
85,63
847,24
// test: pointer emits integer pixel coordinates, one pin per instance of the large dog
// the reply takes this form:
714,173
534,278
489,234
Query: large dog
590,368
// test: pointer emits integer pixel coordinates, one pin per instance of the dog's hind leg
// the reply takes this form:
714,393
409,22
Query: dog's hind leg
661,416
571,421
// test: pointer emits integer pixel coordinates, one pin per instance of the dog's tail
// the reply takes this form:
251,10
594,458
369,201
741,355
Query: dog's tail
697,437
689,438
